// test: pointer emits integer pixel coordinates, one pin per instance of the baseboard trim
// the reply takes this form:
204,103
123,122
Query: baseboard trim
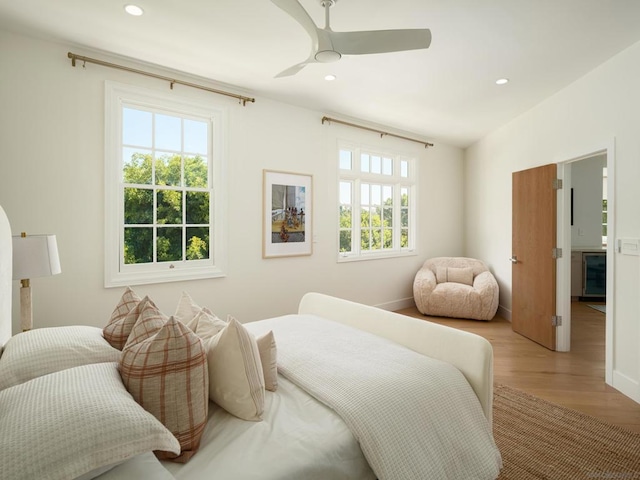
397,304
626,385
504,313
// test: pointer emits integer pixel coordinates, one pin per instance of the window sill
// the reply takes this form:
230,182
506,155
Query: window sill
165,276
375,256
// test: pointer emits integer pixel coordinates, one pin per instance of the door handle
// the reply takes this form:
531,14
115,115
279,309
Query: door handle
513,259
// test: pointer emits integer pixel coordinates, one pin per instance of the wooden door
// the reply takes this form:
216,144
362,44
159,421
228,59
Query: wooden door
533,297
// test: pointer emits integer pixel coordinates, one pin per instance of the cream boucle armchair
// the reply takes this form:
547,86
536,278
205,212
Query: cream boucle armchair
456,287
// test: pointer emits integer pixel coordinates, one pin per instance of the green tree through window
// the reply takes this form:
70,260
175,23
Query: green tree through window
171,208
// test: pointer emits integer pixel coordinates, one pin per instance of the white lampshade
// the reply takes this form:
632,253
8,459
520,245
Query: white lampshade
35,256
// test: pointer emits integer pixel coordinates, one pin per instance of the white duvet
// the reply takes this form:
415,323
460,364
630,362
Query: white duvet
350,405
299,438
415,417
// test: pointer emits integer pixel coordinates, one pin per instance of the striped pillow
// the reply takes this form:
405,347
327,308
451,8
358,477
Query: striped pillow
167,374
236,381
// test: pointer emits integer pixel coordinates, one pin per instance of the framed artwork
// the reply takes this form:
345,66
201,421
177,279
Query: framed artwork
287,212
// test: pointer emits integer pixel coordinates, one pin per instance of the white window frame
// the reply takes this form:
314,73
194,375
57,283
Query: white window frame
117,274
357,177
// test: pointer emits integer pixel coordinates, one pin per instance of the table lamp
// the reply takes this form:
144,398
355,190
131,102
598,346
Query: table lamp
33,256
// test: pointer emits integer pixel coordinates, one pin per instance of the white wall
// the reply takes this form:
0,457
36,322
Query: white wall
51,181
583,118
586,181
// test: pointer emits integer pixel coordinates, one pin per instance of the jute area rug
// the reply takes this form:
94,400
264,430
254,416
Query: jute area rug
541,440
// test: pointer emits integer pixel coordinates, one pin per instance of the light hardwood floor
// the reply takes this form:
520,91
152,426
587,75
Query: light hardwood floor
574,379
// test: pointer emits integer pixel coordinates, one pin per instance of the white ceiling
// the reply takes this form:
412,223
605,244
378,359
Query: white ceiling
446,93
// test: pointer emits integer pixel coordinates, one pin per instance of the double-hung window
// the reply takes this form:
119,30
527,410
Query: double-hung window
163,188
377,193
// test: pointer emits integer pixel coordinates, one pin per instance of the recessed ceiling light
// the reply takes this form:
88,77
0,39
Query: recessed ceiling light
133,10
330,78
502,81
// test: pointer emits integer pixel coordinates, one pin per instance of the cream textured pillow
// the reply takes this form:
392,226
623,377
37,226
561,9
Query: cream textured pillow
167,374
460,275
236,380
453,274
186,309
206,324
441,274
41,351
65,424
202,321
269,359
119,326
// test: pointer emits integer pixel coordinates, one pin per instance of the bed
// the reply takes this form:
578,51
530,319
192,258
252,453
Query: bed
362,393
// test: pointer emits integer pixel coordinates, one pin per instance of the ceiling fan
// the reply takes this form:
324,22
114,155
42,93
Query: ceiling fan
329,46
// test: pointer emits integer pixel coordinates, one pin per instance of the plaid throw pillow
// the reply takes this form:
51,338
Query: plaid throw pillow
147,322
167,374
120,324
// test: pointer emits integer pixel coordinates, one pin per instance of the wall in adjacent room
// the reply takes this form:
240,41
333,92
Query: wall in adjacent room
586,182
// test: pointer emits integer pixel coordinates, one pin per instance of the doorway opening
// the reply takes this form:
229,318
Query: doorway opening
585,233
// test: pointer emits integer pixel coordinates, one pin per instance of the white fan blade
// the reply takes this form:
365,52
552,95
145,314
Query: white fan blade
300,15
291,70
380,41
297,67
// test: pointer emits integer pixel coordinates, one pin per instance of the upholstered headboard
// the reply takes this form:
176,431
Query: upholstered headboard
6,267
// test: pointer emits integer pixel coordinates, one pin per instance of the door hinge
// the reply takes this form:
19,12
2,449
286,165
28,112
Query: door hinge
556,320
556,252
557,184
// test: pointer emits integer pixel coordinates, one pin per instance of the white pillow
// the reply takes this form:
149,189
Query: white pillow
68,423
236,380
269,359
41,351
186,309
206,324
462,275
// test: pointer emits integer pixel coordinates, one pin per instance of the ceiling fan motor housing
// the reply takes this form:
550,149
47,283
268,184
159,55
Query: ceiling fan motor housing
327,56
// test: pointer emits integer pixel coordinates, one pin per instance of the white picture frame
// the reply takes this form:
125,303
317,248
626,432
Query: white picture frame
287,214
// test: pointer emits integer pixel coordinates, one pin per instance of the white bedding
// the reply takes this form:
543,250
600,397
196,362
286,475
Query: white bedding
415,417
299,438
144,466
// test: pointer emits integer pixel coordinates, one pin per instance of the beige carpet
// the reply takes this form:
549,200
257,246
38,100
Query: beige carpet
541,440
